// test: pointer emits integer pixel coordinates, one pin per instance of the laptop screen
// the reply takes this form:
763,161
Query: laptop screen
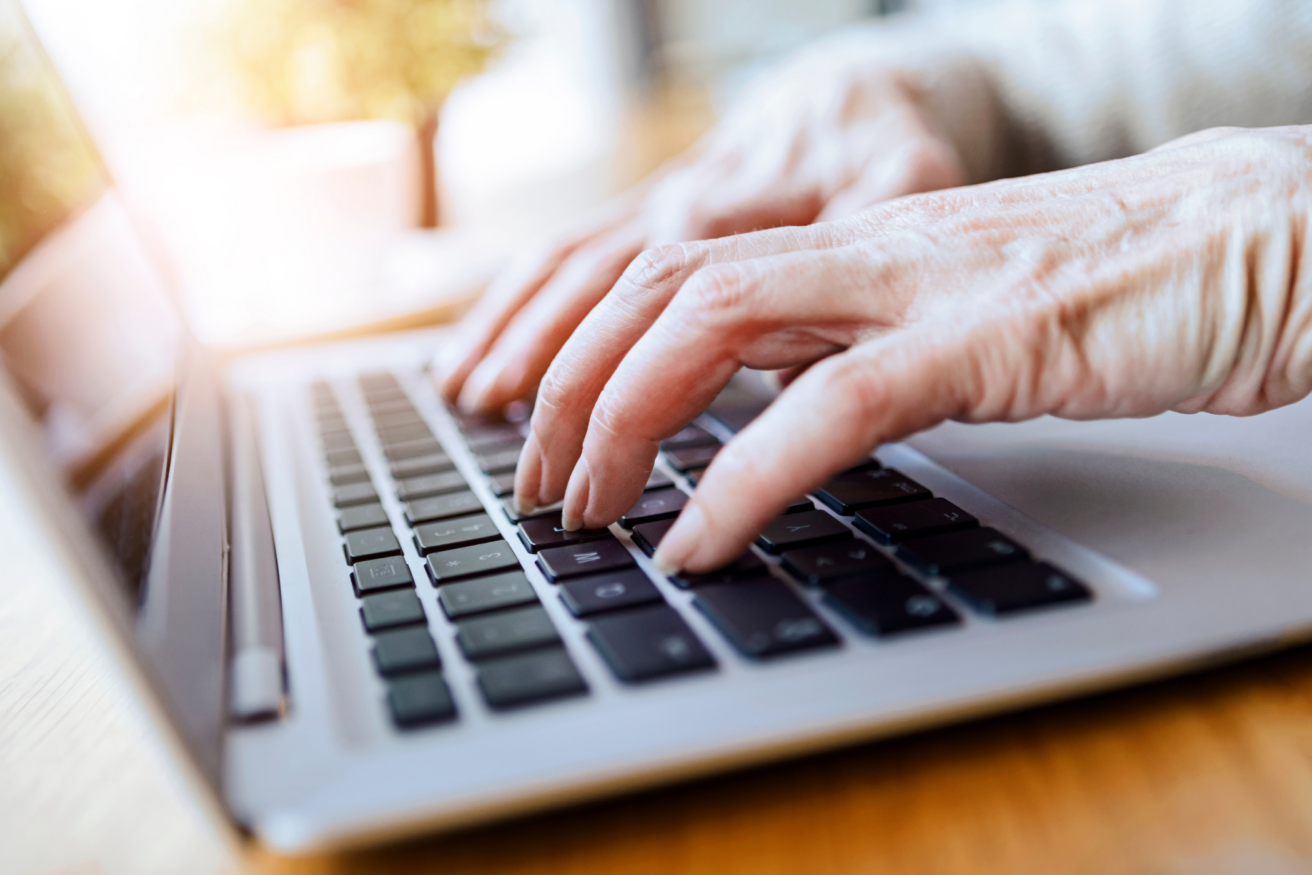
87,336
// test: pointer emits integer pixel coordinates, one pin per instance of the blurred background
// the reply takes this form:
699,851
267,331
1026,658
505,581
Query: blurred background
313,166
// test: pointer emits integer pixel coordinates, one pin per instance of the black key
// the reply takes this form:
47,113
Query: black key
334,424
402,434
386,610
411,449
404,650
745,567
546,531
375,575
657,480
456,532
647,536
394,418
420,700
690,436
608,592
338,441
441,507
691,457
371,543
486,438
429,485
506,632
827,562
338,458
348,474
763,617
806,529
389,404
1011,588
528,678
464,562
502,484
659,504
500,461
799,505
898,522
436,463
889,604
361,516
694,475
355,493
939,555
508,506
647,644
576,560
869,487
482,594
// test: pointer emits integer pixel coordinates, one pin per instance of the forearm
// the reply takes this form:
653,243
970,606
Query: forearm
1024,87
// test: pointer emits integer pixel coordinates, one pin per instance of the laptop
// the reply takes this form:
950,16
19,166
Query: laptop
352,635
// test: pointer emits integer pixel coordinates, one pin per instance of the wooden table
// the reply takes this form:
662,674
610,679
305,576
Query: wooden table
1208,774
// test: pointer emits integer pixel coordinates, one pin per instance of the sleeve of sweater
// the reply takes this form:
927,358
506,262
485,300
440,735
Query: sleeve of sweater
1024,86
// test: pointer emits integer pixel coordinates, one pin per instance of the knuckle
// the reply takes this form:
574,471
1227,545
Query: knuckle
716,292
654,269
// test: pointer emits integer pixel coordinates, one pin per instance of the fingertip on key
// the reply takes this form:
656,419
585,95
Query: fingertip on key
681,541
576,497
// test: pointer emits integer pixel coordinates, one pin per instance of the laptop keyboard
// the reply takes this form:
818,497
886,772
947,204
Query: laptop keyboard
891,560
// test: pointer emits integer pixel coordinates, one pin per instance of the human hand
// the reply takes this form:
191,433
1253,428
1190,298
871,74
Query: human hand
1174,280
824,136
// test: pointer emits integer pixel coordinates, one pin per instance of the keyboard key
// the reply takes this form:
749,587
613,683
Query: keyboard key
485,439
338,458
386,610
441,507
338,441
694,475
392,419
745,567
899,522
411,449
463,562
505,632
348,474
530,677
608,592
361,516
371,543
818,565
429,485
691,457
647,644
887,605
404,650
456,532
333,424
374,575
355,493
481,594
500,461
799,505
576,560
502,484
546,531
763,617
657,480
1011,588
869,487
690,436
419,700
508,506
659,504
940,555
437,463
390,404
647,536
806,529
403,434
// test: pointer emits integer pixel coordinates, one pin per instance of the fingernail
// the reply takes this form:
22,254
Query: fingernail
524,504
473,398
680,542
528,475
576,497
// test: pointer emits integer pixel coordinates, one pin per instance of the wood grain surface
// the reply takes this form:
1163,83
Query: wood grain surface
1207,774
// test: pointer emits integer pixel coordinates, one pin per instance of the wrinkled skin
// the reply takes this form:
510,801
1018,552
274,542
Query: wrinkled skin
821,138
1173,280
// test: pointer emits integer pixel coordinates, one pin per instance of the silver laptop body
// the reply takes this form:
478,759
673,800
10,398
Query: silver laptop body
209,502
